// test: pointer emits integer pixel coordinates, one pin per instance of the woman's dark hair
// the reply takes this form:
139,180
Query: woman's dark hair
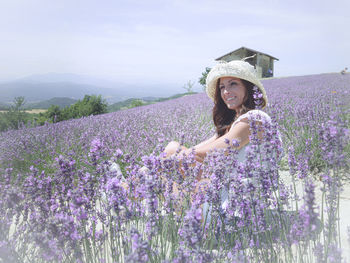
223,117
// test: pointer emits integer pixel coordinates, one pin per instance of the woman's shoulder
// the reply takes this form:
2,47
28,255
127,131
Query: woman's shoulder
255,115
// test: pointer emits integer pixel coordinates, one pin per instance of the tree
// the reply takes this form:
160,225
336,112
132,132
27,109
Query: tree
136,103
90,105
96,104
15,116
18,103
54,114
202,79
189,86
4,124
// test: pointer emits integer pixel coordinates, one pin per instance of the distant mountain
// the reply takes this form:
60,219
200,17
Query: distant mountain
149,98
37,91
36,88
61,102
70,78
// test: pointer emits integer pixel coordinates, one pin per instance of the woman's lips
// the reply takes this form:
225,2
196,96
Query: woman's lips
231,98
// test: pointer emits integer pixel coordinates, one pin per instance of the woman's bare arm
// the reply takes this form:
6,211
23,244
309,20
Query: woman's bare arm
240,132
210,140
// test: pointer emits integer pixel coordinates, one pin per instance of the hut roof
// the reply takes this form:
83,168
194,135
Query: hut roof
258,52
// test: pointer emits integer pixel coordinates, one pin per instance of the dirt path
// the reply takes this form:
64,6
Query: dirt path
344,210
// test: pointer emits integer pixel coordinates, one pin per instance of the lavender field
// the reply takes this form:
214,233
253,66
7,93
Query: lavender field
62,194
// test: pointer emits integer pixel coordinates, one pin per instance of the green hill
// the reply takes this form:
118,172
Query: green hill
135,102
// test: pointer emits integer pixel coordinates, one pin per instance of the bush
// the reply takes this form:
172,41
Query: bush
136,103
90,105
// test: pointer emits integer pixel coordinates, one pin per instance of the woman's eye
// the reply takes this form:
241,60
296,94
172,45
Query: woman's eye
221,87
233,83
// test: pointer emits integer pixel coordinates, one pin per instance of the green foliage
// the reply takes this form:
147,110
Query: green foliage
15,117
175,96
3,121
136,103
40,119
131,103
189,86
54,114
125,104
202,79
90,105
3,107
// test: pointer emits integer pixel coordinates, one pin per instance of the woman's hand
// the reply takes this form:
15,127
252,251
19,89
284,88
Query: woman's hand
173,147
187,152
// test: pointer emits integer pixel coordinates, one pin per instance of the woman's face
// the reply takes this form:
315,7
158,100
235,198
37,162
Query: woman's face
232,92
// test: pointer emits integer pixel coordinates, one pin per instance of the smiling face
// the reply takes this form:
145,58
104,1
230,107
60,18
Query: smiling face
232,92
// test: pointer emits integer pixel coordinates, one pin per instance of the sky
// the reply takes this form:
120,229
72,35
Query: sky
168,42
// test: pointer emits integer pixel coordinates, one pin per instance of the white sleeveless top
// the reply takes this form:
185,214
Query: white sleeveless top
252,115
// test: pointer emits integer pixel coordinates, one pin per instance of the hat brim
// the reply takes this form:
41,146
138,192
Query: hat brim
237,69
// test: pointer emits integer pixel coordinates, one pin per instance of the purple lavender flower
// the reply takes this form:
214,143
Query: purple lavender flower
140,249
117,194
334,254
306,225
54,175
191,232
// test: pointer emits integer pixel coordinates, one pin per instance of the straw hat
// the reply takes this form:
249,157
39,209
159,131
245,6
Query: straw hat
235,68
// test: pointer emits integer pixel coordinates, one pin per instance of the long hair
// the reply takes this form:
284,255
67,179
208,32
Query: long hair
223,117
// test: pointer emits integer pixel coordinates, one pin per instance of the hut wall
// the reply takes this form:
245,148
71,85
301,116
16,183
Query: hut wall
264,63
271,65
259,71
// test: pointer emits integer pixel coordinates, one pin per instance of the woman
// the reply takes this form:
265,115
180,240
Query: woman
231,87
238,96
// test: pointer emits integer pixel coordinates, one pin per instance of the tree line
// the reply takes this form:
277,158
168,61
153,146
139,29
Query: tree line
16,116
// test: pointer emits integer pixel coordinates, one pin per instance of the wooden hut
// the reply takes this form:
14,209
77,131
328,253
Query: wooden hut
262,62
